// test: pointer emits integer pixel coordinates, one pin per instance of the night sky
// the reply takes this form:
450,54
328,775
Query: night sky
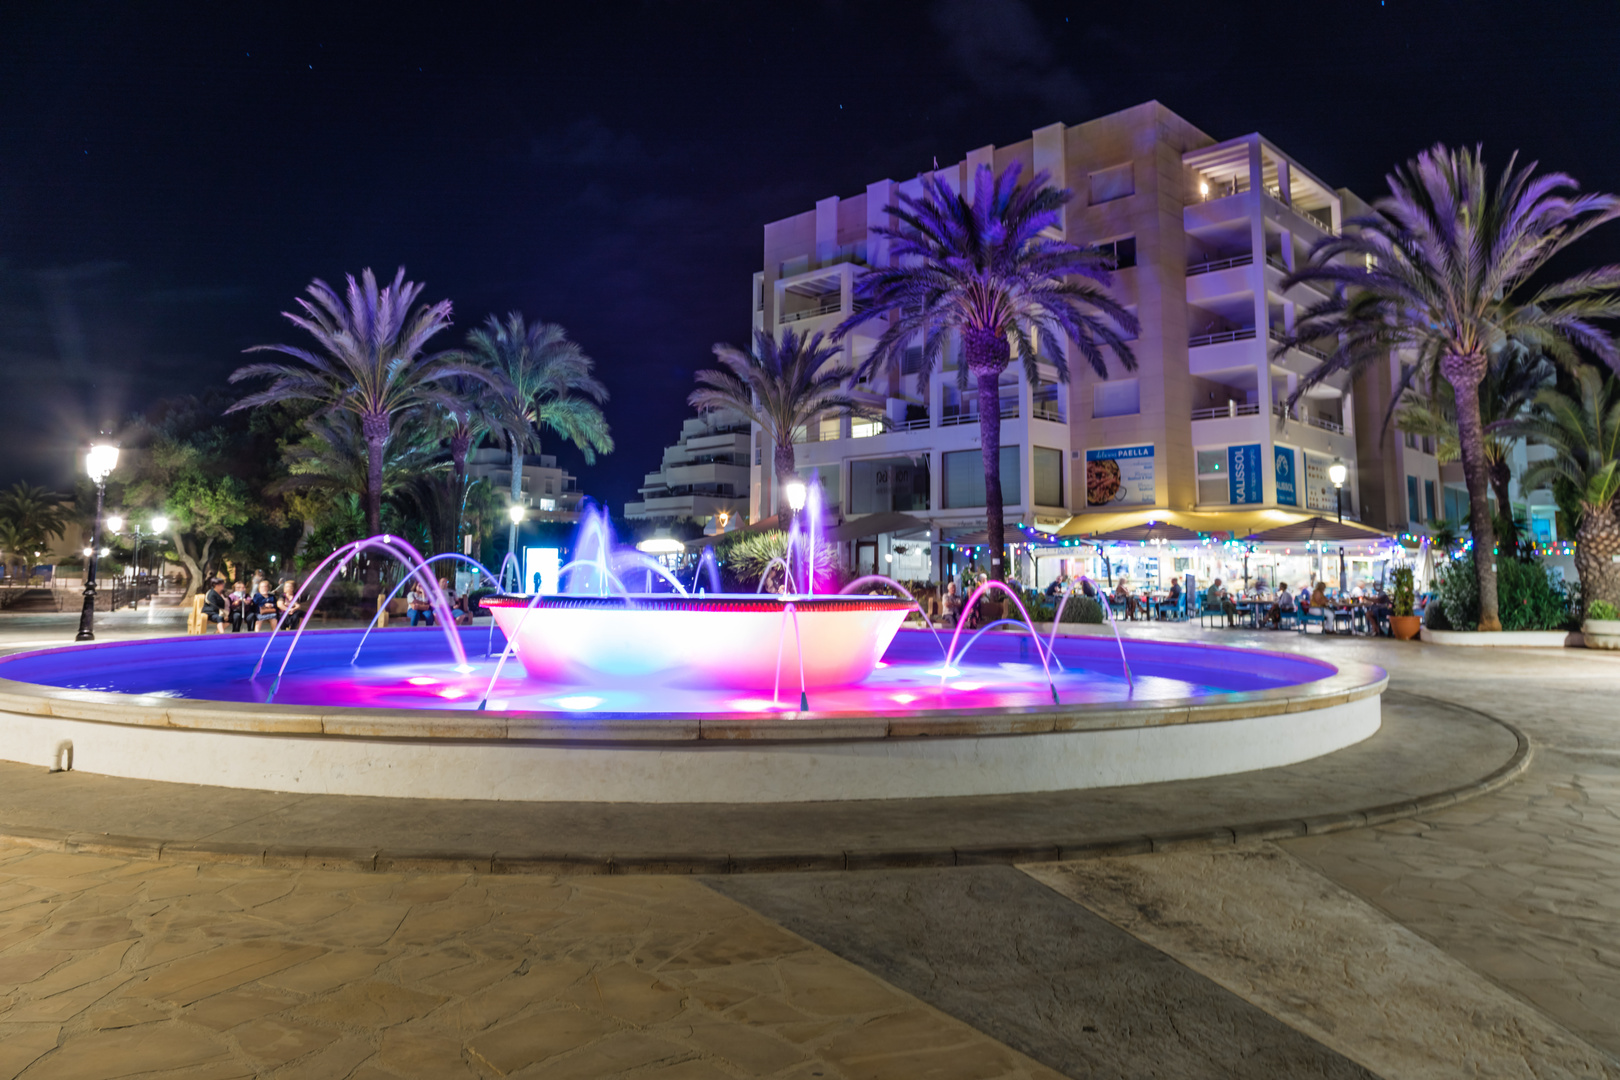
169,181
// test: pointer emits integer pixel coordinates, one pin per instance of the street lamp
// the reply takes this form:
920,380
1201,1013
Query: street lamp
98,465
795,492
1338,474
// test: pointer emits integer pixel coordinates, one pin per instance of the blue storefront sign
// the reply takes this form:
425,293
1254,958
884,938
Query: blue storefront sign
1244,481
1283,467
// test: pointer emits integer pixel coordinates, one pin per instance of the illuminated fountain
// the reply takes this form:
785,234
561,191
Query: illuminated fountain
633,685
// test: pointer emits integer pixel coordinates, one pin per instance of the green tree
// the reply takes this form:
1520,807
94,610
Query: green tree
783,387
372,362
1584,436
988,269
1440,275
30,518
539,379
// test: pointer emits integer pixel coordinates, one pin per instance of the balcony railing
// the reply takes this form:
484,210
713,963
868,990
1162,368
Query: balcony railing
830,307
1228,411
1219,264
1300,416
1220,338
954,416
1309,350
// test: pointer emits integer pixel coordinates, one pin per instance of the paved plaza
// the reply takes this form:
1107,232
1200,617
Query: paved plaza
1250,926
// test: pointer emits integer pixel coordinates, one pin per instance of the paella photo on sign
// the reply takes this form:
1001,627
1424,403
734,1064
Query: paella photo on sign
1102,482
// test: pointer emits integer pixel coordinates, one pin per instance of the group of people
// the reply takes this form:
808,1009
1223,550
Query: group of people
241,609
1375,603
419,606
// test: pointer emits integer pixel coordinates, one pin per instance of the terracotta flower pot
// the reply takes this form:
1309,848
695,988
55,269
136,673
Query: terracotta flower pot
1405,627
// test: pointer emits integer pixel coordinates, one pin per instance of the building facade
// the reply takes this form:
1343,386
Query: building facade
703,476
1204,233
550,492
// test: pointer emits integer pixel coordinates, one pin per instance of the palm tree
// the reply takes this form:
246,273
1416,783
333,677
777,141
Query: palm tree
371,363
32,516
546,381
1511,381
988,270
781,387
1439,275
1584,436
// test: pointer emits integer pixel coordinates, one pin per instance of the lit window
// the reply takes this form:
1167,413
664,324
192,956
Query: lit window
861,429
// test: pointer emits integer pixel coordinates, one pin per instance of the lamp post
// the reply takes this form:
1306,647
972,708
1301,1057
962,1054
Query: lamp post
115,525
516,512
98,464
795,493
1338,474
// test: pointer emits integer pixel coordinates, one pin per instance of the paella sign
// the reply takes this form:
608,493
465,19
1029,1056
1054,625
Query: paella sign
1121,476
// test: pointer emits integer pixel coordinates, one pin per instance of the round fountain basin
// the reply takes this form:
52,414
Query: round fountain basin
405,720
735,642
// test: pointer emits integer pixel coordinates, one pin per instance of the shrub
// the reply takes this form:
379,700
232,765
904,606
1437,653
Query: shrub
1403,590
1602,609
1434,616
1528,597
1083,609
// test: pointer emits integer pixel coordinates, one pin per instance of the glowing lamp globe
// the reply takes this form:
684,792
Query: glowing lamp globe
1338,473
515,512
160,523
795,492
115,522
101,461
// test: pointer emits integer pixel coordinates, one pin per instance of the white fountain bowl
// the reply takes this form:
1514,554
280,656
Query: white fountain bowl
741,642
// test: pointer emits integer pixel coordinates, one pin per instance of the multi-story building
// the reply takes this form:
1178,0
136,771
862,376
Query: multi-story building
703,476
1204,233
550,492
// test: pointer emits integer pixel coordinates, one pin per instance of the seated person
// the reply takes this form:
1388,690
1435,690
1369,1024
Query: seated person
1283,605
217,606
1122,600
417,603
1319,596
1173,598
1216,598
262,606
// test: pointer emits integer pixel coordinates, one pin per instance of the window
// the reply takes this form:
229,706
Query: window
1212,481
1410,440
1428,444
964,478
1110,184
1412,514
1122,251
1046,476
1428,500
911,360
1116,397
830,428
1456,504
878,485
862,429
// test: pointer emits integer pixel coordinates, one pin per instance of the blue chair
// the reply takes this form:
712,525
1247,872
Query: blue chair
1205,611
1308,617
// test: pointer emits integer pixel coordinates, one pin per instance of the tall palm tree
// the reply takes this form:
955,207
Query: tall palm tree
372,362
1584,436
986,269
1440,275
33,517
1511,381
783,387
546,381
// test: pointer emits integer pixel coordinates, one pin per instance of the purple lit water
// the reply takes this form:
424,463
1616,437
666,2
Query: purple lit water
414,669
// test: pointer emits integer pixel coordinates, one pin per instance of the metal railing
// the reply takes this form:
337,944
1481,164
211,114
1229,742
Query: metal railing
1309,350
828,308
1227,411
1300,416
1297,212
952,417
1220,264
1220,338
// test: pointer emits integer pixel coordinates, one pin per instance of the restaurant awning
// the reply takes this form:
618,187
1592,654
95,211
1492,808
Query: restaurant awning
1315,529
875,525
1223,524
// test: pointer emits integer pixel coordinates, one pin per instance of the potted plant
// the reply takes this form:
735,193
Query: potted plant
1402,622
1601,630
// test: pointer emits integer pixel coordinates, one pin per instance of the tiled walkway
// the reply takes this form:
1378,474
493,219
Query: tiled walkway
1494,921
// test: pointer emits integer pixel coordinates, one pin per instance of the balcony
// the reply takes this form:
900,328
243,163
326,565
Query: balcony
1230,410
1194,269
1309,350
826,307
1220,338
955,414
1300,416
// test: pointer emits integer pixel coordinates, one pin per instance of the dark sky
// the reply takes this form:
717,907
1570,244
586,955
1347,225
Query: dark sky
172,175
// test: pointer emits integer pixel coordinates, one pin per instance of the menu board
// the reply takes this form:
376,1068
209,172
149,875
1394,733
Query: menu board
1121,476
1319,494
1282,466
1244,481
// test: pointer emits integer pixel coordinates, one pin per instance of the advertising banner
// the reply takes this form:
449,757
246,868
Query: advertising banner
1245,482
1282,465
1122,476
1319,494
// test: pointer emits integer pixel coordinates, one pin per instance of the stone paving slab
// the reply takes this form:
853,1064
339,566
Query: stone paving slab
112,968
1018,961
1428,754
1286,938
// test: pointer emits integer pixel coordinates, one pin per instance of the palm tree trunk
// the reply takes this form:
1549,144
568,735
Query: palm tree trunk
1501,482
460,443
1465,373
1597,546
784,460
517,499
375,430
986,353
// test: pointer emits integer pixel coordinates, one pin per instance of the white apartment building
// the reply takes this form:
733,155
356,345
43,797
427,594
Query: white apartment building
704,475
1204,232
550,492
